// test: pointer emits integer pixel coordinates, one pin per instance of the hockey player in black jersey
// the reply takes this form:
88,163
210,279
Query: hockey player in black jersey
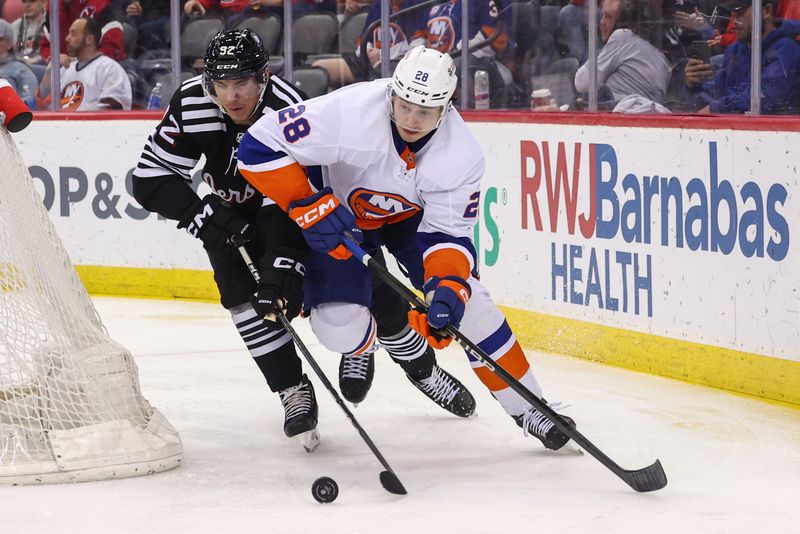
208,116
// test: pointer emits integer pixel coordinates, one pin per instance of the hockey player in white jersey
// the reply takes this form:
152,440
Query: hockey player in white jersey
398,162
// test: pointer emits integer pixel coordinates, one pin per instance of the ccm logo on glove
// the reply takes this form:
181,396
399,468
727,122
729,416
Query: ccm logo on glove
324,222
200,219
316,212
216,224
289,263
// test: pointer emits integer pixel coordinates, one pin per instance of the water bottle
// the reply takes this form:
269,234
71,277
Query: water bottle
154,102
481,89
27,97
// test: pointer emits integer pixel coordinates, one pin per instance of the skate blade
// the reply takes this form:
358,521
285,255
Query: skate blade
571,448
309,440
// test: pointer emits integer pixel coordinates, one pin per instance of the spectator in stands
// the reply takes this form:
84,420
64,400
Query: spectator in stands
628,64
28,31
443,33
16,72
235,10
228,9
573,23
93,81
788,9
406,32
685,22
112,42
151,18
348,8
729,90
303,7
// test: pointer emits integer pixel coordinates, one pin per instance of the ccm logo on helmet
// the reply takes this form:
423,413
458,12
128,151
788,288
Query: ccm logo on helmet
418,91
315,213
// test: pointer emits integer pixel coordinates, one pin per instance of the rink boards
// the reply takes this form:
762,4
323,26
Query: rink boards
660,245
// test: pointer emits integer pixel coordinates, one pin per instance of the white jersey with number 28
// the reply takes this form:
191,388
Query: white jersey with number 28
348,132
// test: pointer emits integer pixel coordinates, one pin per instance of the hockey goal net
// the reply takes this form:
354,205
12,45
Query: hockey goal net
70,404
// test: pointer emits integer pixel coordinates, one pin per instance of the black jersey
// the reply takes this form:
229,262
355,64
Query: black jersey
194,126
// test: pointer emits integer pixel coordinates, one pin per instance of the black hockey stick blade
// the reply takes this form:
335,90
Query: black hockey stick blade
391,483
388,479
650,478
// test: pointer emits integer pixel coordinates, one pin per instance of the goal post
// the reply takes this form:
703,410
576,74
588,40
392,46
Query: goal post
70,404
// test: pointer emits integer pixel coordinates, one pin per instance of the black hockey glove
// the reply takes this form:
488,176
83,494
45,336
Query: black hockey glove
280,289
216,224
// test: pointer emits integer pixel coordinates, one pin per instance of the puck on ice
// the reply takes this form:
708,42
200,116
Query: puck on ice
325,490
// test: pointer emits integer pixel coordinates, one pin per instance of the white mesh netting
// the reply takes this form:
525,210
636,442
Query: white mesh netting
70,405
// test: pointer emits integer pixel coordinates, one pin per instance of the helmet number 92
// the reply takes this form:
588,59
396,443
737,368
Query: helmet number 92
227,50
297,128
421,76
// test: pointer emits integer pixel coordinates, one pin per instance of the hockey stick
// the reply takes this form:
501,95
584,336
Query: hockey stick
649,478
388,479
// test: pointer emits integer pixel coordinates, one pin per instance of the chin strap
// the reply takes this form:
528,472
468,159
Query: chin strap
260,97
215,99
390,106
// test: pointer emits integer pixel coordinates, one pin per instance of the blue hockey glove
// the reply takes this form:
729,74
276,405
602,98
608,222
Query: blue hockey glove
324,221
447,298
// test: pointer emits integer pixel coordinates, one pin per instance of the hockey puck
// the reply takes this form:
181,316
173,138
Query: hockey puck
325,490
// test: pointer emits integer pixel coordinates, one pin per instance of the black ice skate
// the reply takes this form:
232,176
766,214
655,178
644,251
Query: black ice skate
535,423
300,405
355,376
446,391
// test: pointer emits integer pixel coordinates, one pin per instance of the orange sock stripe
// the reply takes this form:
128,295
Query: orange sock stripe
489,379
282,185
513,361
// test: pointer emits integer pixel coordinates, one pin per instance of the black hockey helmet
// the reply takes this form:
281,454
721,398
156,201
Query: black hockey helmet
235,54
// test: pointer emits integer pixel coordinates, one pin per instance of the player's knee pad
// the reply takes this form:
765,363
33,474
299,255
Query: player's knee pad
344,327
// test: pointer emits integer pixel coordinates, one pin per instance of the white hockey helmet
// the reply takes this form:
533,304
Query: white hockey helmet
425,77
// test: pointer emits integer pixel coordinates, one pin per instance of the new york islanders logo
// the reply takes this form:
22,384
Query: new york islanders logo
72,96
373,209
441,34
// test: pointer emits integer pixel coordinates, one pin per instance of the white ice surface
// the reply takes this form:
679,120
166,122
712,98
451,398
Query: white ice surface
733,462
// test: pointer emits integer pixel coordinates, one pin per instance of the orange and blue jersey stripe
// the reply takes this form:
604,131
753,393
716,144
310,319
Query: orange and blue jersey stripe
446,255
273,172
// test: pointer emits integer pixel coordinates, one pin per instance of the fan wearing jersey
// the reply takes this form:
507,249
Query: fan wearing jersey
400,163
207,116
486,19
92,81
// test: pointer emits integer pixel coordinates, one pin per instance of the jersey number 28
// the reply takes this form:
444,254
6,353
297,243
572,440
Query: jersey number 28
297,128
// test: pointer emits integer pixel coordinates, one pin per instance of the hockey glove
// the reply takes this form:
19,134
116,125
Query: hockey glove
324,221
280,289
216,224
447,299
